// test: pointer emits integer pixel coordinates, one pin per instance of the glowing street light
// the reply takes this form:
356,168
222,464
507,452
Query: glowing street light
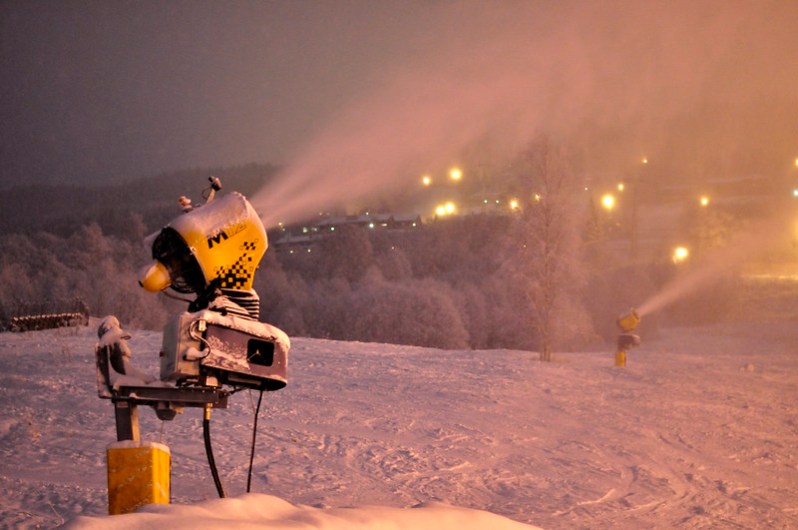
426,180
680,255
645,160
621,186
514,205
456,174
608,201
704,200
447,208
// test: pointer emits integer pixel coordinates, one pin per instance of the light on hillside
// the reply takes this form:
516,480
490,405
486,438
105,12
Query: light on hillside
447,208
680,254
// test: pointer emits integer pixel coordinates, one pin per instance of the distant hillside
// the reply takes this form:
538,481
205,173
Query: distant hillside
144,204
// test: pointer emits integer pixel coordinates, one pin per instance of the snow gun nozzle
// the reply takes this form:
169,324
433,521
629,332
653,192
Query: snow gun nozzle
628,321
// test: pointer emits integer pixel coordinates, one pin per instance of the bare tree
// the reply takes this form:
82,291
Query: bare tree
546,267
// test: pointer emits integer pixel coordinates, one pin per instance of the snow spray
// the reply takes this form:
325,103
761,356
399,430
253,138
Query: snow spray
385,142
477,73
760,237
497,75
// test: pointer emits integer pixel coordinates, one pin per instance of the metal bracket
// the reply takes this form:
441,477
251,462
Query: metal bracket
164,399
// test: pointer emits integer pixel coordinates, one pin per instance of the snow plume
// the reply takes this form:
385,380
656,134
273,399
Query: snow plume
762,236
618,79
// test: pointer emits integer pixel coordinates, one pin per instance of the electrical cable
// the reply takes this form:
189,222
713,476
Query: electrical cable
192,329
254,435
206,432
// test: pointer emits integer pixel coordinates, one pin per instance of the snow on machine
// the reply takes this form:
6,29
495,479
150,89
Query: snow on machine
217,347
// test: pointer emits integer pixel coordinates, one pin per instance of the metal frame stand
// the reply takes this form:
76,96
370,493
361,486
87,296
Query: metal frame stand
139,472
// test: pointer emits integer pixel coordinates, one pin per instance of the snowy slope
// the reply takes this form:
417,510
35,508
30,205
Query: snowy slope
700,430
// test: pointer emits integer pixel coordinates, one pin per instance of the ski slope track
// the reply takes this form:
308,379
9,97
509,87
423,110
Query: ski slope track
700,430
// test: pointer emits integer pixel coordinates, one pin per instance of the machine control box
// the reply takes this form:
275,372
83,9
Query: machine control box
244,359
233,350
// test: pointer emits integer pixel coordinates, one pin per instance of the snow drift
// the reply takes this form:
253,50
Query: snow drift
258,511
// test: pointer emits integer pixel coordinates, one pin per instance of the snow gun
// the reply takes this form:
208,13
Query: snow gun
215,348
627,323
213,251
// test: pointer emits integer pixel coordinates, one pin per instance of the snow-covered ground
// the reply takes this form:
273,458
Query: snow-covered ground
699,430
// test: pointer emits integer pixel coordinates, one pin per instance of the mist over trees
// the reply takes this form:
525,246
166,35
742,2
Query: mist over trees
479,280
543,278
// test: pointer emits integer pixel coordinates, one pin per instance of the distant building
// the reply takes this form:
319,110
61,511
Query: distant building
304,238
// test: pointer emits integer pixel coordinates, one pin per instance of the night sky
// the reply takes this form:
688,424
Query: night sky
103,91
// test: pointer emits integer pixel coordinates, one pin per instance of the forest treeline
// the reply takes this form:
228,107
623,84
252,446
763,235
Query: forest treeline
444,285
539,278
450,284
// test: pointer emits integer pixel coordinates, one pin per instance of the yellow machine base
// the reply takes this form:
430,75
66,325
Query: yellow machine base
138,474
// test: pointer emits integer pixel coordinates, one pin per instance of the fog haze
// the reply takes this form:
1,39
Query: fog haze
368,94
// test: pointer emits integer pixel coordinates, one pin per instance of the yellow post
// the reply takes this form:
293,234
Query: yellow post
620,358
138,474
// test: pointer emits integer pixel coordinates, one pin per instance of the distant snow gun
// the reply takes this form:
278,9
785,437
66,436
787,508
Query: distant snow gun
215,348
627,340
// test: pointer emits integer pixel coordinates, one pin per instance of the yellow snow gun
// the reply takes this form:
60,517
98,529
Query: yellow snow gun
627,323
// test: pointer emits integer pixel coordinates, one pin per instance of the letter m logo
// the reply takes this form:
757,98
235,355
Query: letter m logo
216,239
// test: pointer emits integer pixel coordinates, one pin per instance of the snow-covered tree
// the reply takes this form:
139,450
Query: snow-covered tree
347,253
546,268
